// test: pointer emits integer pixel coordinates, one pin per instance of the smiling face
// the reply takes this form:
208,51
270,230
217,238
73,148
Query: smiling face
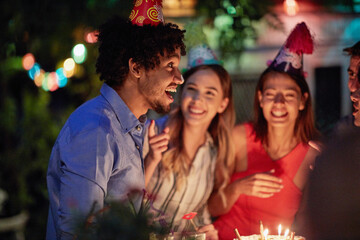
202,98
354,87
156,84
281,100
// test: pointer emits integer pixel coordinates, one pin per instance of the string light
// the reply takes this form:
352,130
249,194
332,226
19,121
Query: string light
51,81
28,61
79,53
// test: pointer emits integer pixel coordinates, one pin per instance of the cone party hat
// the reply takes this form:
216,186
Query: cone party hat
199,51
147,12
290,57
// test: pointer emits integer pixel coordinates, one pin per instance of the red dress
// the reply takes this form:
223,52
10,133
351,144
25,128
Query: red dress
281,208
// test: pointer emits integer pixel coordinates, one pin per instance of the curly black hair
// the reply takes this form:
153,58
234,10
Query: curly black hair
120,40
354,50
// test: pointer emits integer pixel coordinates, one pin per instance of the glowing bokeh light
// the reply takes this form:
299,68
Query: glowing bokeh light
61,78
69,73
44,84
79,53
39,78
69,64
28,61
223,21
291,7
91,37
52,81
65,69
34,71
231,10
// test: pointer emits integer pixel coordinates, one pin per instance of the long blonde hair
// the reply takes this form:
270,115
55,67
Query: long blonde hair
176,160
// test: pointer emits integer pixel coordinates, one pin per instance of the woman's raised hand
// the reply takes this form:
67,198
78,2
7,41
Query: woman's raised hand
261,185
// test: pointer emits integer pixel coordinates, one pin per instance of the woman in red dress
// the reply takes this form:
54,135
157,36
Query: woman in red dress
273,157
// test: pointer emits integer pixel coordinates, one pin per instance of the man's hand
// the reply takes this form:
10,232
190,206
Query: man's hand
157,143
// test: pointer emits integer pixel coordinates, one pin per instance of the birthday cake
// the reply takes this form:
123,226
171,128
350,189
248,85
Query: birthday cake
270,237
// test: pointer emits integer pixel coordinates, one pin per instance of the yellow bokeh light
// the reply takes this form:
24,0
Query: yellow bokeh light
69,73
69,64
39,78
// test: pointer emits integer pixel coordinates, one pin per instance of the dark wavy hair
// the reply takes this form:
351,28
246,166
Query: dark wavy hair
305,129
119,40
354,50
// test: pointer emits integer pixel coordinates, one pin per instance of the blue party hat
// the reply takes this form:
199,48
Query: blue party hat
199,53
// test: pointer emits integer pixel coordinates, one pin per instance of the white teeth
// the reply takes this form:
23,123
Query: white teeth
171,90
196,111
278,113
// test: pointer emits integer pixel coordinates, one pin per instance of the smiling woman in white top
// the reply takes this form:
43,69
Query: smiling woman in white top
190,147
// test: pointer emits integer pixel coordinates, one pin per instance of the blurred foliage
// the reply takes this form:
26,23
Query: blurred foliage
230,23
118,221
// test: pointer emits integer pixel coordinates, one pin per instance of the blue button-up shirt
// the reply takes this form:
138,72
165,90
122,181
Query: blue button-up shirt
96,157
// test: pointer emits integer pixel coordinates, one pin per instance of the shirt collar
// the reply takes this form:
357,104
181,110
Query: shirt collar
126,118
209,140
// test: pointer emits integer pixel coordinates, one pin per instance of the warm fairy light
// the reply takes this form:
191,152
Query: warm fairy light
52,82
279,229
28,61
286,233
91,37
58,79
69,64
291,7
69,67
69,73
39,78
44,84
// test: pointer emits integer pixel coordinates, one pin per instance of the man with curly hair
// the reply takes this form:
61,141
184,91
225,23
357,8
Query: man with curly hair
97,156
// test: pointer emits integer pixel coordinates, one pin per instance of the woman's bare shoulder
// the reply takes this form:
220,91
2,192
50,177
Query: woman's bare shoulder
239,137
239,132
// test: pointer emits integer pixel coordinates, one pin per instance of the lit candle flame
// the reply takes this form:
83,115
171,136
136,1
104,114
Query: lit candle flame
286,233
266,231
279,229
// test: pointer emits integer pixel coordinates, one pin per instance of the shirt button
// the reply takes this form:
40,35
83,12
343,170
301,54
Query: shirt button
138,128
137,147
